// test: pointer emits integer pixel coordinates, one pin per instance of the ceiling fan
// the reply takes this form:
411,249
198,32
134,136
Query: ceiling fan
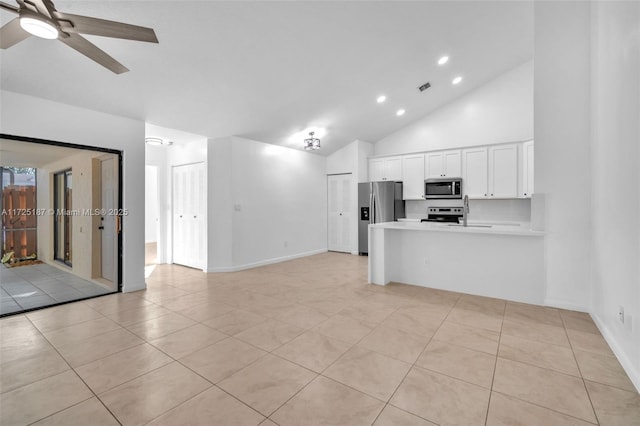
40,18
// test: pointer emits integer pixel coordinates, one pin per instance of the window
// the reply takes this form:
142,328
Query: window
63,217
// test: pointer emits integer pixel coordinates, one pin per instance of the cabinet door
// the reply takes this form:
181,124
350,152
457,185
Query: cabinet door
393,168
527,169
452,163
413,177
474,172
503,171
376,170
433,165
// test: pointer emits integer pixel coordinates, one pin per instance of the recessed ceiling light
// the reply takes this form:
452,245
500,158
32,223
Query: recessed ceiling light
443,60
381,99
456,80
400,112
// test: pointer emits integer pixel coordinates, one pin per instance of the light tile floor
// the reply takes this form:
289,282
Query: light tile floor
306,342
34,286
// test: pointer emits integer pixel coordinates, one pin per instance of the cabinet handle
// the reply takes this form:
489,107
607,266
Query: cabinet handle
492,195
485,195
525,193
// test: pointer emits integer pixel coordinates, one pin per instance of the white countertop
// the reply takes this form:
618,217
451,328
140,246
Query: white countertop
495,229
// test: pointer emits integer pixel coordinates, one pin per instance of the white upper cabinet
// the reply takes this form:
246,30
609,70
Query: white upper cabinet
475,172
489,171
527,169
443,164
388,168
413,177
503,171
393,168
376,169
453,163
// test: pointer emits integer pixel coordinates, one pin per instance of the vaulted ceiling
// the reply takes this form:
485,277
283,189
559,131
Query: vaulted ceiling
267,70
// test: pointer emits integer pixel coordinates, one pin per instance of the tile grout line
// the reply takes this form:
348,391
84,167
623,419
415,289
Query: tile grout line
495,365
77,375
584,384
413,365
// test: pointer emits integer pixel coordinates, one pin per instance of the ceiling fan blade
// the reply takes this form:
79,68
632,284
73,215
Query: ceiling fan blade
91,51
9,7
12,33
44,7
102,27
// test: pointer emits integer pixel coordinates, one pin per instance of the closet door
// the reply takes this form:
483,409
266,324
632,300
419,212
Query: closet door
189,199
341,218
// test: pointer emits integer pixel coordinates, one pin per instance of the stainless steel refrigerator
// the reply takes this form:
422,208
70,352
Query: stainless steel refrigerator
377,202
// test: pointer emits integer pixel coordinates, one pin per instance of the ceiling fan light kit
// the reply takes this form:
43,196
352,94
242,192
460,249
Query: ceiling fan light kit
38,27
40,18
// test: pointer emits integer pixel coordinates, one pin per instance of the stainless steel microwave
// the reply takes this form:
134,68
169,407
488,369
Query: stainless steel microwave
442,188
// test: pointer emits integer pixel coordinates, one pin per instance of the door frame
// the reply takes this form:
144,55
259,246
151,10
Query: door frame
120,155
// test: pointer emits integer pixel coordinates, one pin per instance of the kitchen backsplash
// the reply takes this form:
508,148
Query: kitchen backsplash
516,210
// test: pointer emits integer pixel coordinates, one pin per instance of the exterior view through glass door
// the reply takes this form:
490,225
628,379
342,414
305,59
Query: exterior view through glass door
53,236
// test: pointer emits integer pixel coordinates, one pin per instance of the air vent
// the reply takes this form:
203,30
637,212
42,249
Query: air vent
424,86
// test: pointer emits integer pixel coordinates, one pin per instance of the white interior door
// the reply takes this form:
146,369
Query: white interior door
340,213
109,235
188,215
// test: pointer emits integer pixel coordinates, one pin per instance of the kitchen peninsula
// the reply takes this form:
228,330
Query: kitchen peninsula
501,261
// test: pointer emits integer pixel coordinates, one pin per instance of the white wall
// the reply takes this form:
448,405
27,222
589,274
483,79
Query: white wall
499,111
278,202
22,115
220,205
151,204
352,159
562,175
615,179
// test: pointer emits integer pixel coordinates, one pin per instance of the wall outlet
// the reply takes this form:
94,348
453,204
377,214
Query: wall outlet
621,314
426,261
286,244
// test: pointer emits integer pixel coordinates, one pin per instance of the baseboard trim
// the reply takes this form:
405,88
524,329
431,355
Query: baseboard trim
562,304
245,266
626,363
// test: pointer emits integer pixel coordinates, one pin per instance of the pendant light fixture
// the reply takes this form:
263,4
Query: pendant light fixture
311,143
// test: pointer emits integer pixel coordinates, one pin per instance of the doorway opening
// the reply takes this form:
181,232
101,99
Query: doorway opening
152,215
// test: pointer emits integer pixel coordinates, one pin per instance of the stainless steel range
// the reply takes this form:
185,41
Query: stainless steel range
444,214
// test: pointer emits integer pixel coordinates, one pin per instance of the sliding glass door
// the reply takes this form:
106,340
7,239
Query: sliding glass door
63,218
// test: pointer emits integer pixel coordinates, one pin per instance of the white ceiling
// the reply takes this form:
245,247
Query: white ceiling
266,70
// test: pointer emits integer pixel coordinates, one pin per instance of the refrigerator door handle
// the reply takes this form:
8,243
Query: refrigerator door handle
372,212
